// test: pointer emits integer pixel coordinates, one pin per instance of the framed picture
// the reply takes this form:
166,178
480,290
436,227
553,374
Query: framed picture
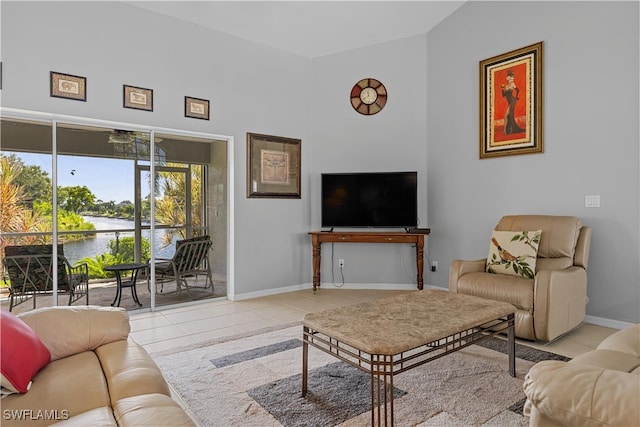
511,103
138,98
68,86
196,108
273,166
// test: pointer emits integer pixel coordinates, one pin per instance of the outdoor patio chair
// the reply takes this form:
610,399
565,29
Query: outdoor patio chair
189,261
29,269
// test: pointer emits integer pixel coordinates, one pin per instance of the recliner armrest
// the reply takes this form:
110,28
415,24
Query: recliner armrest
560,299
460,266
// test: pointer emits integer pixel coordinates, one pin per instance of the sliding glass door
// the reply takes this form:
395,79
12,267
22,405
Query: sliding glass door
110,195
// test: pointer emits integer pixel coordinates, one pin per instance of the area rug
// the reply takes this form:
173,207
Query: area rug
256,381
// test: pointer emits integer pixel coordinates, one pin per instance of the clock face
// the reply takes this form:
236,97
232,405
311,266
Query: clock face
368,96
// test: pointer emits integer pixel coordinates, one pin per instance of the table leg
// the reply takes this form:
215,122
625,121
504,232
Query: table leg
316,262
381,390
305,357
420,261
118,289
134,292
512,345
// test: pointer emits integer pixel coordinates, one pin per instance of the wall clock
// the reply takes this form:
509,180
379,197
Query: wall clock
368,96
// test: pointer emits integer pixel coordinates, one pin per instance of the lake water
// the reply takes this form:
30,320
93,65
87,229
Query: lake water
91,247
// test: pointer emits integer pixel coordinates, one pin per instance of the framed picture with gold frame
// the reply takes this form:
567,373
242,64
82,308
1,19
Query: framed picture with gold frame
273,166
68,86
511,100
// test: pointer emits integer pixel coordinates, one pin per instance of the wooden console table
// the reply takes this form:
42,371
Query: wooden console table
319,237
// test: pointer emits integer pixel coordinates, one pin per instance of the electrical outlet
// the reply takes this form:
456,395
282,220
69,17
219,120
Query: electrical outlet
434,265
340,263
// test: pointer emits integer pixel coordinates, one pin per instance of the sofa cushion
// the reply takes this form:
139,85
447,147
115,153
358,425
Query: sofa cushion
609,359
130,371
150,410
70,330
98,417
22,354
513,253
626,340
574,394
71,386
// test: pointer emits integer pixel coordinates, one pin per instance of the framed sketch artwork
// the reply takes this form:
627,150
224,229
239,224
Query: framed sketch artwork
511,103
273,166
68,86
137,98
196,108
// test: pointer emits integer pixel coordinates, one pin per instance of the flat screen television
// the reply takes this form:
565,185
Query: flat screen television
370,199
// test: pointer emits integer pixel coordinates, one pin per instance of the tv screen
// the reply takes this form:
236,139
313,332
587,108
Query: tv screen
370,199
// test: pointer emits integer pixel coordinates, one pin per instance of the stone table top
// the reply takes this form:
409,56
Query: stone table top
393,325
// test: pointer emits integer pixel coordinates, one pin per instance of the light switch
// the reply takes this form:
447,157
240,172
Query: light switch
592,201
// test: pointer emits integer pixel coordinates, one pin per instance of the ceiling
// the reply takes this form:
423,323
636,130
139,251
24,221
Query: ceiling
311,28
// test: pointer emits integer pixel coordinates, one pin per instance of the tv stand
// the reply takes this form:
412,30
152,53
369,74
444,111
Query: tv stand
319,237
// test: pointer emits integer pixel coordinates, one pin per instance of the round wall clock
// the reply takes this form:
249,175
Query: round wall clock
368,96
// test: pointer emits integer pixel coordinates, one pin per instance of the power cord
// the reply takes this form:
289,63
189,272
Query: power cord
337,285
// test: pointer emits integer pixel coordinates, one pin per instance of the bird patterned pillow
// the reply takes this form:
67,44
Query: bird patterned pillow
514,253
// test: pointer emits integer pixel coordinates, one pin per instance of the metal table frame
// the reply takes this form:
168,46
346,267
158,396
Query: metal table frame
382,367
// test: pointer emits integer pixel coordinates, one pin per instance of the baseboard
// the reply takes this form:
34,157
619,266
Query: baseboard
607,323
375,286
599,321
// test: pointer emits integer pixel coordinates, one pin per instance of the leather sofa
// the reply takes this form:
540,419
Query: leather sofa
97,375
597,388
551,302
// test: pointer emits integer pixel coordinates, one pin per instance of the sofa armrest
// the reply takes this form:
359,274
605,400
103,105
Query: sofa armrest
559,301
460,266
71,330
581,395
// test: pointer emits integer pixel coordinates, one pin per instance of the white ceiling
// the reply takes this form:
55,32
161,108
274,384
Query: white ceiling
311,28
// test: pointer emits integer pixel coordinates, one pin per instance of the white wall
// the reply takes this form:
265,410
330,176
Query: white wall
252,88
590,130
391,140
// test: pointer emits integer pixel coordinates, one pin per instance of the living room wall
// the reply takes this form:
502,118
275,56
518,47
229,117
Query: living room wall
591,123
252,88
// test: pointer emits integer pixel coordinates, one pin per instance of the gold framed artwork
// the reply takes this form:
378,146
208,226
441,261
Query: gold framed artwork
511,100
68,86
273,166
196,108
137,98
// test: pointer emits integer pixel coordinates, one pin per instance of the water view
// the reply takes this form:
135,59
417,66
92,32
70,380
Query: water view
99,244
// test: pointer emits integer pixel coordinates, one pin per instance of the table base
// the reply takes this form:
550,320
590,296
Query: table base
382,368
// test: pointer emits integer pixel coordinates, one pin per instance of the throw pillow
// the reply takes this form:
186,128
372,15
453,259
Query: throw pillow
514,253
22,354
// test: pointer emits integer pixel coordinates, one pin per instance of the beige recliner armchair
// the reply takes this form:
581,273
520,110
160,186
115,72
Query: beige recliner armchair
554,301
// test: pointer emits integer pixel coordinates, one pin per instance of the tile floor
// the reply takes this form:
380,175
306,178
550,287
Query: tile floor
175,327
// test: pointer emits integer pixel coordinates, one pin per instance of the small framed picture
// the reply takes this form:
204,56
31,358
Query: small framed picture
68,86
196,108
138,98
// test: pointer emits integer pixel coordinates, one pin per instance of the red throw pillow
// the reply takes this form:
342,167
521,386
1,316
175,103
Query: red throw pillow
22,354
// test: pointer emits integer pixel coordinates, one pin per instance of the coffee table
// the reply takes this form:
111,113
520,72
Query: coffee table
392,335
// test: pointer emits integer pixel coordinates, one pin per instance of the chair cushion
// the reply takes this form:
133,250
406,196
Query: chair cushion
499,287
559,233
513,253
22,354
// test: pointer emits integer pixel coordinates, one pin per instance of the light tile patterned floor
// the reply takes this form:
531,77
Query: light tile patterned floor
170,328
